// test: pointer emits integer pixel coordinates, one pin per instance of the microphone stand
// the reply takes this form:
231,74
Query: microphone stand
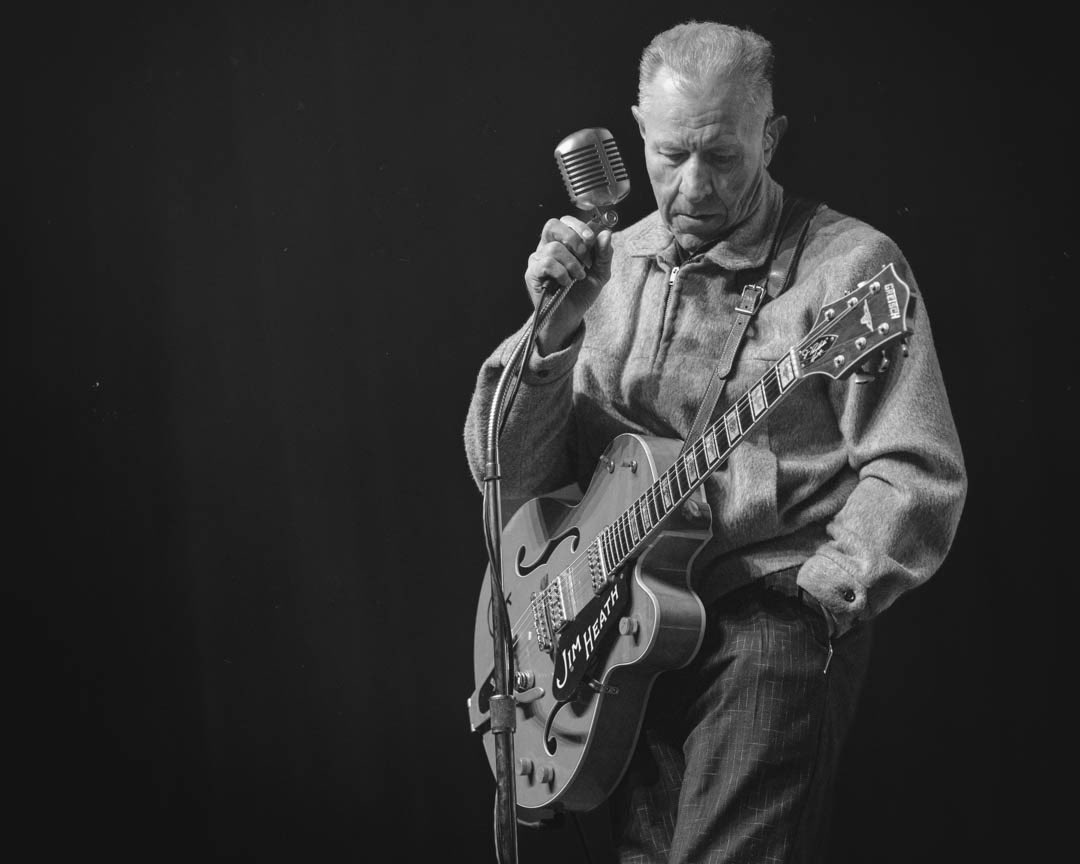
502,704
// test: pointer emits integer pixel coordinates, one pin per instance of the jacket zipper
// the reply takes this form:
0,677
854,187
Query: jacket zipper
663,312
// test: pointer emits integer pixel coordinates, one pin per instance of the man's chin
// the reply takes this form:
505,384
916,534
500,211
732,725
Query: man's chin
692,232
698,237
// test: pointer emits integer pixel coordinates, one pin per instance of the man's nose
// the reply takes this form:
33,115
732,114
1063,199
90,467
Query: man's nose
697,182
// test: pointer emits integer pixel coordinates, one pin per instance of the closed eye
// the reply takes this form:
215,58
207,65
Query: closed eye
722,160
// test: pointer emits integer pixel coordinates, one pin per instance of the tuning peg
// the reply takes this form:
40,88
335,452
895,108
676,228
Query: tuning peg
904,346
870,369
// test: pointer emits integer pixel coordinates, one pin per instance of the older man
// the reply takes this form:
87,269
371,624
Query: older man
849,496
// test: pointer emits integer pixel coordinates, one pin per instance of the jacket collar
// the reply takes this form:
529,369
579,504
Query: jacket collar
745,247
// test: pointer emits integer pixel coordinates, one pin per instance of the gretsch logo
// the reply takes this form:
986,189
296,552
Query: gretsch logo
814,351
894,305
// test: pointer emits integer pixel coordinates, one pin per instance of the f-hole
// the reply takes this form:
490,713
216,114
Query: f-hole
551,743
524,569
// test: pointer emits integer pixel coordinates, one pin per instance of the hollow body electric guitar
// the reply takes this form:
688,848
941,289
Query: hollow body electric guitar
599,593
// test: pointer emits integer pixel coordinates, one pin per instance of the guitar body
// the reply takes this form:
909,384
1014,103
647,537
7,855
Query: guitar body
661,623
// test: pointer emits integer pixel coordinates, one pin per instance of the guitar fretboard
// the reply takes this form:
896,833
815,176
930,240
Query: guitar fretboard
624,538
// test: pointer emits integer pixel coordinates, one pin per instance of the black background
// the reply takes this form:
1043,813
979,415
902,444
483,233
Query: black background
266,247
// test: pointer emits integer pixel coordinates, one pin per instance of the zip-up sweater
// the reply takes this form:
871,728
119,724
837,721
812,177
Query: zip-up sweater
860,486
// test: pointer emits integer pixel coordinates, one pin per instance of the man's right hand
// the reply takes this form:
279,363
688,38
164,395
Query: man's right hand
569,251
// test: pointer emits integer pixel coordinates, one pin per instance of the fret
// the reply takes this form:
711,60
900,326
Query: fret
773,390
711,454
646,512
620,547
746,417
758,403
731,425
665,492
620,540
678,481
691,465
624,526
609,546
635,524
682,484
723,440
785,372
598,545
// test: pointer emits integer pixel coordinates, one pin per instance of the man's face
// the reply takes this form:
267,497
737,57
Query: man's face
706,149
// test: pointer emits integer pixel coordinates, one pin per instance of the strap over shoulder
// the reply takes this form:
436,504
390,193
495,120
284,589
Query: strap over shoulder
791,232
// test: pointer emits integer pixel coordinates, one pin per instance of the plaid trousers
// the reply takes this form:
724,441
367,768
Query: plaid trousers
738,750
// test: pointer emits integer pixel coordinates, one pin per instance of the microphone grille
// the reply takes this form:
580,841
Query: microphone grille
592,168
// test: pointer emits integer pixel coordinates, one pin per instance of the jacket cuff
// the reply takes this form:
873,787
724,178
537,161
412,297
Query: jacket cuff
556,365
839,592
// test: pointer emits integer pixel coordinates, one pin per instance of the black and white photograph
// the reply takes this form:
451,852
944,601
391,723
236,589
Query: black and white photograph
542,432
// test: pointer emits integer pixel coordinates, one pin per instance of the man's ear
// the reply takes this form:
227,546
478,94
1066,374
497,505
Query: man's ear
636,111
774,131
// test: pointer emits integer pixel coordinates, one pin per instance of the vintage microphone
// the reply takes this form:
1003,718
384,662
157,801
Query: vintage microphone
596,179
593,171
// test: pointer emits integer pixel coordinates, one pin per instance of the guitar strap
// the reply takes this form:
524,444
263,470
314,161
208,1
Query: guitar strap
788,242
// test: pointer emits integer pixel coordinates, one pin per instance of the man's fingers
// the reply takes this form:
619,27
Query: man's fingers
556,261
603,250
544,268
574,234
602,253
582,229
573,264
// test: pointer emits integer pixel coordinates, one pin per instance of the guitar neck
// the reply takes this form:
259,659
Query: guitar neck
626,537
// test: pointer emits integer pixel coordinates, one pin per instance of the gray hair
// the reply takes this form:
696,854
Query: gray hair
698,53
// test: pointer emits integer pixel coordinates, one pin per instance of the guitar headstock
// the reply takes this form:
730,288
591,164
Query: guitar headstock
848,331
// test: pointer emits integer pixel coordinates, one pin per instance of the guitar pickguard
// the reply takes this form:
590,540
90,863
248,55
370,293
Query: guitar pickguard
581,641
